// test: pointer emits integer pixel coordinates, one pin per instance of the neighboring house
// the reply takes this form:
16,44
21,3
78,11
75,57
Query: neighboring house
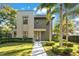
30,25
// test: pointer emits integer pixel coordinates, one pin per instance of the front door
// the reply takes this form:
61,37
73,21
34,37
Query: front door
37,36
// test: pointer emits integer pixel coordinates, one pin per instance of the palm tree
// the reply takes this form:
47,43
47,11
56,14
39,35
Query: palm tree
68,11
61,19
49,7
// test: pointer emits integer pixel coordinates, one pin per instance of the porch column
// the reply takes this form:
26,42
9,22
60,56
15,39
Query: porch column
40,35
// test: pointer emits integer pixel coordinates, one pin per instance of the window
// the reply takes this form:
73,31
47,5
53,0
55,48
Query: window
36,21
25,19
14,33
25,34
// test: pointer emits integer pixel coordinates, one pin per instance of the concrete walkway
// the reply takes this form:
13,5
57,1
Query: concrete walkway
38,50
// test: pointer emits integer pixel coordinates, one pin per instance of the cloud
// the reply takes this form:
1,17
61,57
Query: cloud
43,11
16,9
77,19
22,8
35,9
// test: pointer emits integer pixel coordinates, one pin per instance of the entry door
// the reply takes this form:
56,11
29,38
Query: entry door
37,35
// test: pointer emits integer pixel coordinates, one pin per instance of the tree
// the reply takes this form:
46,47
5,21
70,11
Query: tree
70,26
68,8
7,18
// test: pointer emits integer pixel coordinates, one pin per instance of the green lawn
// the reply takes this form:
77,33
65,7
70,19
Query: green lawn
50,53
15,49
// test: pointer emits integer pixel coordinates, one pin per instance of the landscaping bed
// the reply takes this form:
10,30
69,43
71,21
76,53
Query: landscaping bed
68,48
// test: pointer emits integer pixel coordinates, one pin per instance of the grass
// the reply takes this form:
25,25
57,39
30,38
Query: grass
50,53
16,49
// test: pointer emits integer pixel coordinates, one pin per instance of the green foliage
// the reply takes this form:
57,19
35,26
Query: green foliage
5,40
78,47
70,27
49,43
7,16
56,50
77,51
65,51
74,39
68,44
55,38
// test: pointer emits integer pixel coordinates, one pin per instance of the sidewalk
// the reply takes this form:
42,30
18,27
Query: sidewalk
38,50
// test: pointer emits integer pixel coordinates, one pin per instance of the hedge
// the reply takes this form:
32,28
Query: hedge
74,39
5,40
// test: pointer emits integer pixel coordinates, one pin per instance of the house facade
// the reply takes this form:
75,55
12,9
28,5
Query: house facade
31,26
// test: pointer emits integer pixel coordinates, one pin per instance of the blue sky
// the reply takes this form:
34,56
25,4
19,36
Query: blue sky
24,6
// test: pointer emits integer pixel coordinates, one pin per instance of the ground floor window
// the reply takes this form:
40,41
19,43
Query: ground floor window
14,33
25,33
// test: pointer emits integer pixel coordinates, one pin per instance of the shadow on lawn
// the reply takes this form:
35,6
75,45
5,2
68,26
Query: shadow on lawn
14,52
10,44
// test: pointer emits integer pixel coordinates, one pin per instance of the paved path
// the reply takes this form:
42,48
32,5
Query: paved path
38,50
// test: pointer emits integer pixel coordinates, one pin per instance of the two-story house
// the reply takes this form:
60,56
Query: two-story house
30,25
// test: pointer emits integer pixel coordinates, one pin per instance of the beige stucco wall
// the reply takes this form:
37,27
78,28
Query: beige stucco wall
25,27
40,26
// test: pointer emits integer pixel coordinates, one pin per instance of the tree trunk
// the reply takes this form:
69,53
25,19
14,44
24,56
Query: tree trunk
61,18
50,31
66,28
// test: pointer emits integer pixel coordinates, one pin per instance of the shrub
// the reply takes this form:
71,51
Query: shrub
61,51
64,44
68,44
49,43
74,38
55,38
57,50
67,51
5,40
78,47
77,51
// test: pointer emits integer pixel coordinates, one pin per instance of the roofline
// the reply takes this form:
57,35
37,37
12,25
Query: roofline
40,16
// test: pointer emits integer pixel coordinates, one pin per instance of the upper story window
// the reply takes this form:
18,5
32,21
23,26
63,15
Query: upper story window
36,21
25,19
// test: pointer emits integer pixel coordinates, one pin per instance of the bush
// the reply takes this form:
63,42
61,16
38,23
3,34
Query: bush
68,44
61,51
55,38
56,50
74,38
78,47
77,51
64,44
5,40
49,43
67,51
